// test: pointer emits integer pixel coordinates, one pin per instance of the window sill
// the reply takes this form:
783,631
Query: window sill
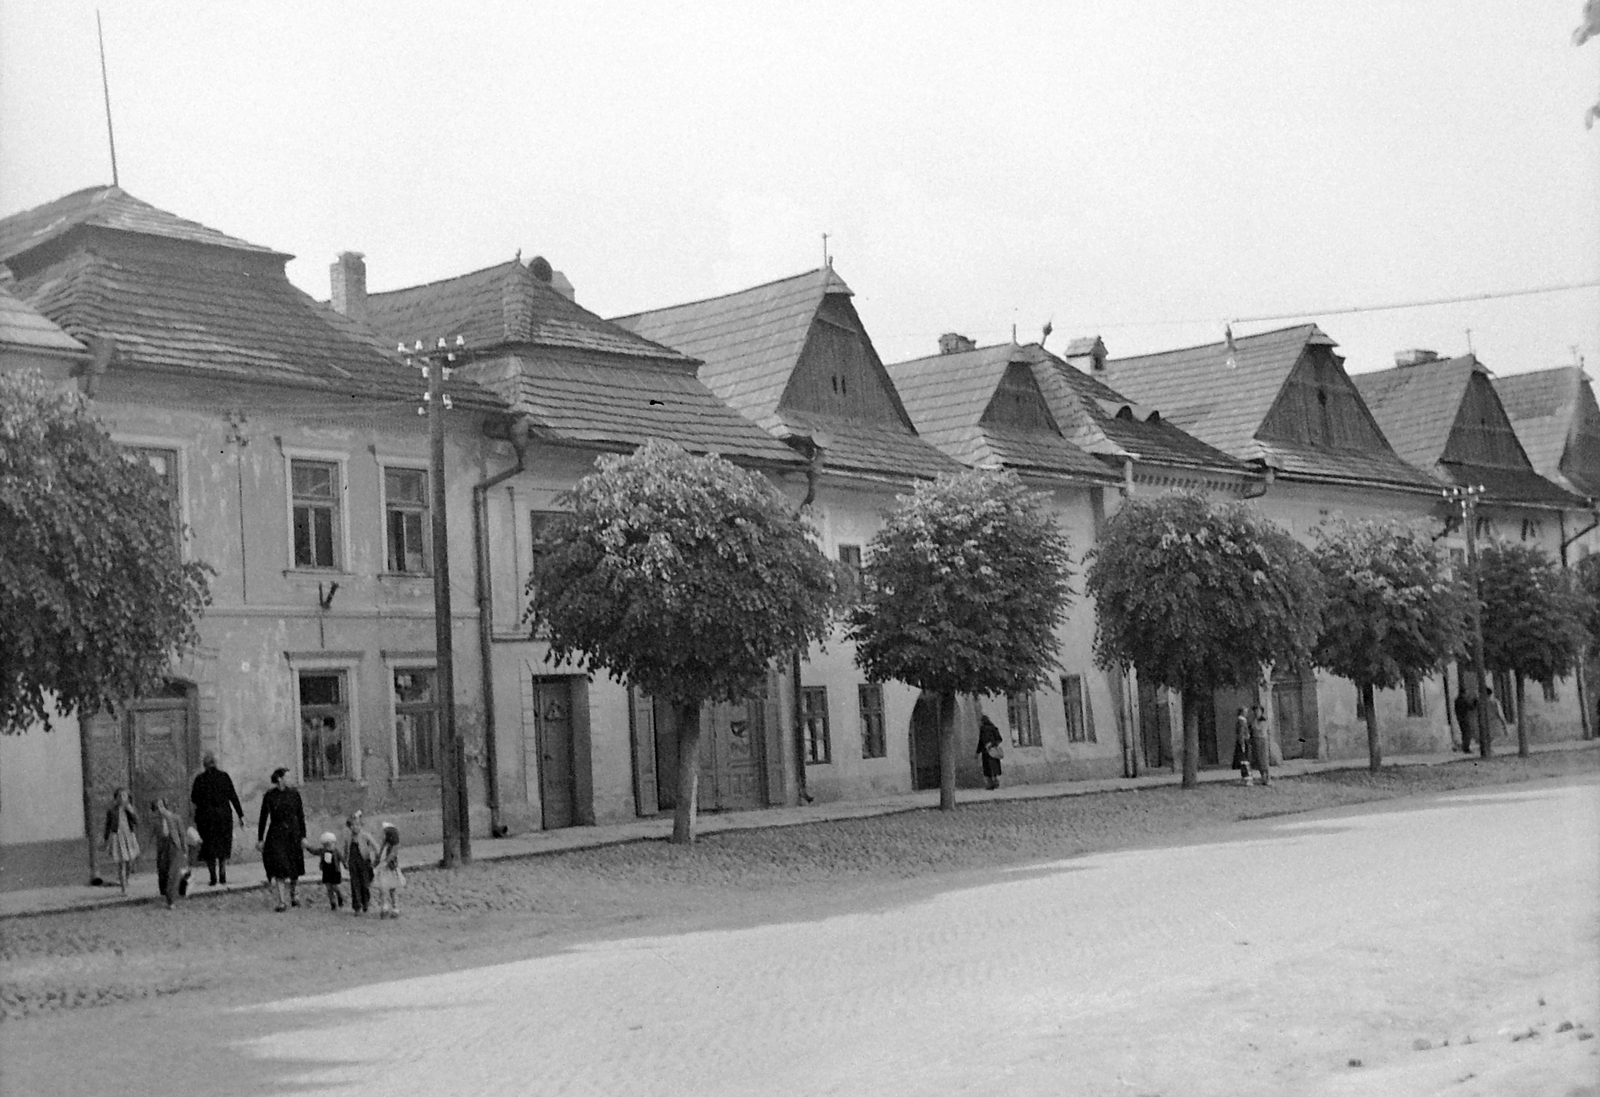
403,575
315,573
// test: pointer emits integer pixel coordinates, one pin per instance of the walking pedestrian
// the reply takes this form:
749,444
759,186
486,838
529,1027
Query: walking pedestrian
1260,747
990,750
121,835
1494,721
388,878
1242,731
216,804
172,851
360,856
279,832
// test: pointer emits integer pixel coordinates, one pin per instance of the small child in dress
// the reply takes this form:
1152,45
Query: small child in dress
387,879
329,861
360,856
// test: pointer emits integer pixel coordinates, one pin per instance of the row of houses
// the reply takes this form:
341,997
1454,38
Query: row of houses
287,431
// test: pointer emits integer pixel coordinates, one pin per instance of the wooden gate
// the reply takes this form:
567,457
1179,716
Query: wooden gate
925,768
552,721
1294,704
161,751
1155,726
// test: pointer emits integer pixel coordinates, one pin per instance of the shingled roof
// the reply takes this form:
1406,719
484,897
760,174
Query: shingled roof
753,341
1248,408
107,208
950,397
1445,416
26,329
1556,420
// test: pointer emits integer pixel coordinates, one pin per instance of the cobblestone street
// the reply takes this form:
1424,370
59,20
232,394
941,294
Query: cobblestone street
1212,946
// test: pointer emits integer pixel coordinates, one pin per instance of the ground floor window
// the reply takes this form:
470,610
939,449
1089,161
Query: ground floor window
814,714
1080,719
874,743
1414,705
1551,695
324,724
415,721
1022,713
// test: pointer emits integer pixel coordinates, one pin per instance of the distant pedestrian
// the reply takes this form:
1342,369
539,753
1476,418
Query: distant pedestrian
360,857
1494,720
1242,730
330,864
388,878
216,804
990,750
172,851
279,832
121,835
1466,707
1260,746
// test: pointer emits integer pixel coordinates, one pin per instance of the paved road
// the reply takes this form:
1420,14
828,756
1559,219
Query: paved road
1259,965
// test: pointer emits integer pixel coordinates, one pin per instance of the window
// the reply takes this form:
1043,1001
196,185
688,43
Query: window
324,725
1550,694
873,742
415,721
1023,715
164,463
1414,705
1532,529
814,713
1080,717
1485,528
314,487
850,569
405,504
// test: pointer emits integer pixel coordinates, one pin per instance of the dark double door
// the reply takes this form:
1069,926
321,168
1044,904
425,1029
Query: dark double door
553,743
161,752
735,745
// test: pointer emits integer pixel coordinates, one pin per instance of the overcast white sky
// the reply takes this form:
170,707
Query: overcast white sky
1117,167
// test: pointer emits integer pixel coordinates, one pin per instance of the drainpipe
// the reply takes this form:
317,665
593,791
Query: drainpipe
813,449
480,544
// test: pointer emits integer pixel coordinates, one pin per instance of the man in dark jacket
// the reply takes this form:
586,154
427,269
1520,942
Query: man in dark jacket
215,805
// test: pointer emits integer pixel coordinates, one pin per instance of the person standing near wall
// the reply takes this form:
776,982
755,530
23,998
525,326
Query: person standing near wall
1260,747
279,834
216,803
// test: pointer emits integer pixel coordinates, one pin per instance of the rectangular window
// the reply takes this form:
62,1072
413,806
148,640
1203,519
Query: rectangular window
324,725
1550,694
405,504
314,489
1414,706
1023,715
874,744
1080,717
850,578
164,463
415,721
814,712
1531,529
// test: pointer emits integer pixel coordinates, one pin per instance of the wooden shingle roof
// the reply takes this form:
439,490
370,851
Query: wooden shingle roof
947,396
107,208
24,328
1547,407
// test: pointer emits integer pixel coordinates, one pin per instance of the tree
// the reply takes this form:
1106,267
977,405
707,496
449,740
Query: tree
963,588
1394,614
1198,597
682,577
1534,620
94,595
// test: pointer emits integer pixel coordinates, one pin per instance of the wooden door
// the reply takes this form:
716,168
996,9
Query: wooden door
552,701
160,754
925,768
1155,726
1294,703
741,756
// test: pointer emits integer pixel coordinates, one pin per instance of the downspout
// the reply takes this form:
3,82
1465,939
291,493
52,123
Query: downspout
480,545
813,474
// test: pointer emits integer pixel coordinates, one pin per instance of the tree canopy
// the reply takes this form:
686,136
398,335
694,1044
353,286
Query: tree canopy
683,577
1199,596
94,593
963,589
1393,614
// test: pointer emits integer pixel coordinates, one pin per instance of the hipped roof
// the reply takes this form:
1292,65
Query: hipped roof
26,328
1544,406
108,208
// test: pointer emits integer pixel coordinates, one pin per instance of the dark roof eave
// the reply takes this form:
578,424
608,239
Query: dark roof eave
545,436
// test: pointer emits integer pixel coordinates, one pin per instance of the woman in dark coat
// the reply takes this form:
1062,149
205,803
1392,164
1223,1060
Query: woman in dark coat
216,804
990,751
279,834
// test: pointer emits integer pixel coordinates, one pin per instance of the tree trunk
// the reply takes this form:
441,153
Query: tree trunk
1374,746
1522,722
683,813
1191,739
947,752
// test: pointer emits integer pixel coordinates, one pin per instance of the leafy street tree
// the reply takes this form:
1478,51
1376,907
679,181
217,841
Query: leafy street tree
1534,620
94,595
1198,596
1394,613
963,588
683,577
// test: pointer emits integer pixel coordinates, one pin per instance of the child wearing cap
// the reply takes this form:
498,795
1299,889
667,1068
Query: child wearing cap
329,860
387,879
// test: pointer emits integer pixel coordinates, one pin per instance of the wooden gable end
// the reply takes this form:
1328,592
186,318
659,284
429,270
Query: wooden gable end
1482,433
839,372
1580,460
1319,405
1018,402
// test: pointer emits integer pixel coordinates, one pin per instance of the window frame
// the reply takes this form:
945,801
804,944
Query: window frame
1416,700
852,568
874,726
1085,712
132,444
347,664
811,715
1025,732
425,510
396,710
341,508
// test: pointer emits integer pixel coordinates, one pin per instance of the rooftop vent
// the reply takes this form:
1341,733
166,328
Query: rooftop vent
952,343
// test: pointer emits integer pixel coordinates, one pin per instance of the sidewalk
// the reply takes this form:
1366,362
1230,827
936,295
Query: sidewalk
245,877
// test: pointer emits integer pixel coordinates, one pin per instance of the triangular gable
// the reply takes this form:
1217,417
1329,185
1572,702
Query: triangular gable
1558,423
1481,433
839,372
1318,405
1017,402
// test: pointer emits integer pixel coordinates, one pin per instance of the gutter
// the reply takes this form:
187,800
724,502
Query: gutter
480,545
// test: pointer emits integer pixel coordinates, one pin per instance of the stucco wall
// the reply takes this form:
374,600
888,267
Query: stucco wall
41,784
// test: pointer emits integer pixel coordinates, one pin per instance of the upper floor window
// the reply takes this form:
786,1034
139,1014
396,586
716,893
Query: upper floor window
405,505
164,463
314,490
1532,529
1023,715
850,579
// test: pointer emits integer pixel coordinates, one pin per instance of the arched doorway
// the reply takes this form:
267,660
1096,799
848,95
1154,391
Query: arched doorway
925,742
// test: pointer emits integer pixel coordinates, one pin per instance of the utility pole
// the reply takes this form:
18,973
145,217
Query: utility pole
1467,499
453,802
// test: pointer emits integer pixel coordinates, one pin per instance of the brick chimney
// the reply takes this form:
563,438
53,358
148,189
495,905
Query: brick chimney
348,274
1415,357
952,343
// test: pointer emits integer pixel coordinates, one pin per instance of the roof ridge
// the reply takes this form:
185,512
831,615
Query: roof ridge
448,278
1218,343
735,293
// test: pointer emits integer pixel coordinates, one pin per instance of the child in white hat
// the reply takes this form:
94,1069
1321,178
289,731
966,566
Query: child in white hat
387,880
331,863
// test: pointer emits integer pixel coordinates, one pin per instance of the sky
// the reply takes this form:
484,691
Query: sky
1147,171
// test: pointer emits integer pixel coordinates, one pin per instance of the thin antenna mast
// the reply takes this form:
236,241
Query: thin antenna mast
105,86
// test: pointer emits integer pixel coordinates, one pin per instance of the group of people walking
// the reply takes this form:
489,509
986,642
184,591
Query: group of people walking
371,865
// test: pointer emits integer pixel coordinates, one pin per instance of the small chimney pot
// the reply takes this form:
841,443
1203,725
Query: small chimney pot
954,343
348,275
